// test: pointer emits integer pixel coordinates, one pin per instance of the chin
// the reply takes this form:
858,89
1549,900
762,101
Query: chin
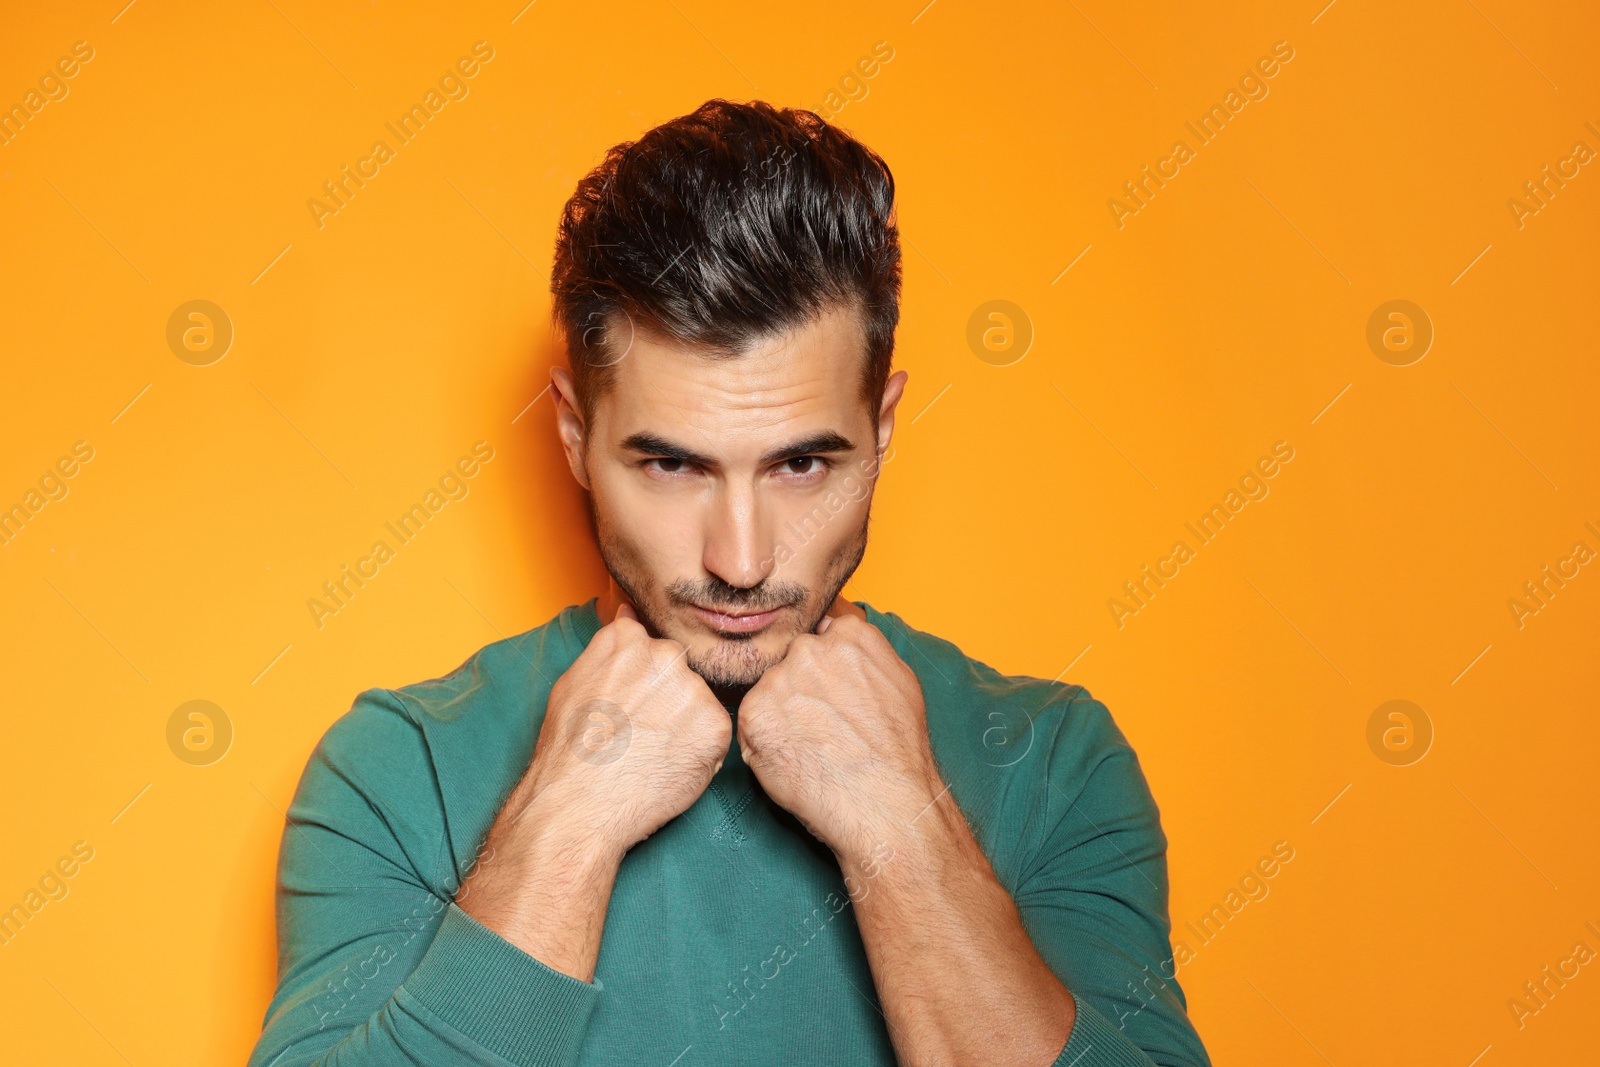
720,673
737,660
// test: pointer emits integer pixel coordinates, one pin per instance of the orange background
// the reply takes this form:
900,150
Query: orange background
1225,316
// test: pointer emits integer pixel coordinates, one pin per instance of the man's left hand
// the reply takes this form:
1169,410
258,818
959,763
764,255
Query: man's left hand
837,733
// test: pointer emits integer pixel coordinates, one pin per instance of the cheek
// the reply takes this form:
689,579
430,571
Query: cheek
816,530
655,535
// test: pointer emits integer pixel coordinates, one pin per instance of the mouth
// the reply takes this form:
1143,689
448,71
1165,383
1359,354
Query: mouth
734,622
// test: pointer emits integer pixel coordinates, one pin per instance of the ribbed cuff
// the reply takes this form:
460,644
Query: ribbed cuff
500,997
1096,1043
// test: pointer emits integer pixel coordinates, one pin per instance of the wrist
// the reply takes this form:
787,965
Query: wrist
545,888
536,847
916,842
551,808
557,830
910,819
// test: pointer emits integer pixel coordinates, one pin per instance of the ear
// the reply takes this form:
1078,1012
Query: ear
893,390
569,423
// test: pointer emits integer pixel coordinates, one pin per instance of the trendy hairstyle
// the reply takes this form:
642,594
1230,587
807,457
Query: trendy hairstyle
721,228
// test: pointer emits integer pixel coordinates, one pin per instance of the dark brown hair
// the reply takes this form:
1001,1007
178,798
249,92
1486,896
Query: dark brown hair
720,228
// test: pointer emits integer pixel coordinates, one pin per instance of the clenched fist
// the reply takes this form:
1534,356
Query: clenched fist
631,736
837,733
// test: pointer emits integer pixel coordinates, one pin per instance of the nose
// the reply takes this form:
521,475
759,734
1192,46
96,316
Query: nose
739,546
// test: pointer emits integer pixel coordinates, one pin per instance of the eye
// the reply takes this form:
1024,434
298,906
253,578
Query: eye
807,467
671,466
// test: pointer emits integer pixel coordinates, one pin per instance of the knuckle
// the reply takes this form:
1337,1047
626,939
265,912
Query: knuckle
630,632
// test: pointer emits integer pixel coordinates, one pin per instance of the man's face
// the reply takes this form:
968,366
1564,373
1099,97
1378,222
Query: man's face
731,495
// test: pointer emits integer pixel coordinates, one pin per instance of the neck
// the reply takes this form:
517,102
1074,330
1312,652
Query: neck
611,598
731,696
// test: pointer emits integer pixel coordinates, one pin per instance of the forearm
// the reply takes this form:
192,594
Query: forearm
378,969
958,977
544,885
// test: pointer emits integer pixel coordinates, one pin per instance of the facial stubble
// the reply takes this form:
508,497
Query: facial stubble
735,661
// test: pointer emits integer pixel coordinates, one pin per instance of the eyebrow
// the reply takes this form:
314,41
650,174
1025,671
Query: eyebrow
819,443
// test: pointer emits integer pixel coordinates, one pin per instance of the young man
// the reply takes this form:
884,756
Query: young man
720,814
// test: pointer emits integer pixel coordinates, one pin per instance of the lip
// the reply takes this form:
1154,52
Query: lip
736,623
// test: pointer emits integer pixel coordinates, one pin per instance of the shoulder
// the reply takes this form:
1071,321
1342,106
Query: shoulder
500,675
1005,715
423,761
1039,766
482,710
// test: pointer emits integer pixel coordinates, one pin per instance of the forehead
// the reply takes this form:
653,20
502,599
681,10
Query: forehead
805,378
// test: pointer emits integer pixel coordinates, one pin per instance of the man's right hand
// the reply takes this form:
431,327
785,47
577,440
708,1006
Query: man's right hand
631,737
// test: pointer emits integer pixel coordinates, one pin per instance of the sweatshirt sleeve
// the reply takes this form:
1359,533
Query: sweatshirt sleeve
376,965
1094,901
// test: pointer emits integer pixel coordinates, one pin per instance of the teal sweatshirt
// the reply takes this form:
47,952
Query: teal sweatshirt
730,937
